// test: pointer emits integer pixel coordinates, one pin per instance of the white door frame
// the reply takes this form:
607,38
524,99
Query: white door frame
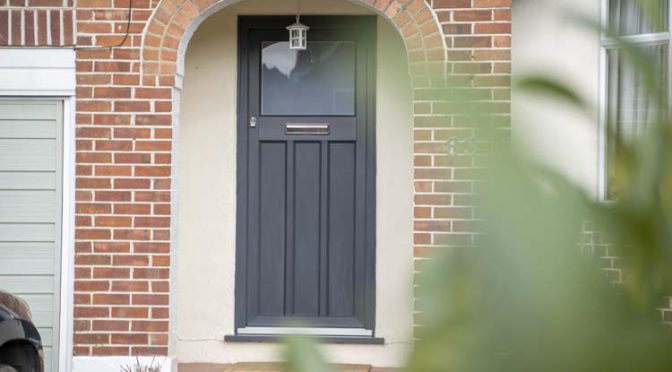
49,74
67,237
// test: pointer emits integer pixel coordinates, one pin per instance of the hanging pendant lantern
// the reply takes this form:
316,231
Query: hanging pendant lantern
298,35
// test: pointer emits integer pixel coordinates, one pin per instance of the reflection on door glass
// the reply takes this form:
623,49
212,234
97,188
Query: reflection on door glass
317,81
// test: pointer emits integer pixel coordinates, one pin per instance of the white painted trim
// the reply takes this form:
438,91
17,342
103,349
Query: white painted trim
602,127
602,89
354,332
37,72
604,17
174,231
66,325
37,93
114,363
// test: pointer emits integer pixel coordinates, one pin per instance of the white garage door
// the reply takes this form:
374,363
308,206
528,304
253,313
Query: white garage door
30,211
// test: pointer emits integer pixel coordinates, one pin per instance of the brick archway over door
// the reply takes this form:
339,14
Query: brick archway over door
169,30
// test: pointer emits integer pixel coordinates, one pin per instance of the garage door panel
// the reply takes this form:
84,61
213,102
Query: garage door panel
32,267
27,155
23,285
47,336
34,250
30,110
43,308
28,180
30,211
48,358
27,129
44,318
15,261
28,206
35,232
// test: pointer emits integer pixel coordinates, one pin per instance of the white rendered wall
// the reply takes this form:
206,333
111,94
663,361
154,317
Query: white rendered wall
547,41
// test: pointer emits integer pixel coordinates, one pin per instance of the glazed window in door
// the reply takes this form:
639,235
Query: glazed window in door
316,81
305,245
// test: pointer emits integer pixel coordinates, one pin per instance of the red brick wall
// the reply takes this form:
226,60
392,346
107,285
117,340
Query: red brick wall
123,188
478,39
36,22
610,262
124,145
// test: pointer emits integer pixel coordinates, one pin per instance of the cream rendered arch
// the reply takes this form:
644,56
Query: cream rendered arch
202,272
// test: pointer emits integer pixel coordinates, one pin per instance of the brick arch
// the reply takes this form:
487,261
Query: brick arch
174,21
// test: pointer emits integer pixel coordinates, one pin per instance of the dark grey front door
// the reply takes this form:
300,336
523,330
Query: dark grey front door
306,174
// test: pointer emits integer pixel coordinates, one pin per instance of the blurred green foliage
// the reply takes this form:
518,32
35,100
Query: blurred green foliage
524,297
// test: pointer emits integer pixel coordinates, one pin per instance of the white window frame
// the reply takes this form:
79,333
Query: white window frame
607,44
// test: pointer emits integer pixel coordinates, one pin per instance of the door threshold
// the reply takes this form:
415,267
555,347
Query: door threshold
309,331
275,338
261,367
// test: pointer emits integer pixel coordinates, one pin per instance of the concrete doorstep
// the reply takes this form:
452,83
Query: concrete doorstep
260,367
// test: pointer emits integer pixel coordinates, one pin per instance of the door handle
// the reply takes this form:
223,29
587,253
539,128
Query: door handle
306,129
253,122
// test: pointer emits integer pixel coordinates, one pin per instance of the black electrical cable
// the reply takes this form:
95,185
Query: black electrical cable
128,24
128,31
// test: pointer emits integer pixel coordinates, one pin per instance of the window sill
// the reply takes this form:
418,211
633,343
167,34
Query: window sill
362,340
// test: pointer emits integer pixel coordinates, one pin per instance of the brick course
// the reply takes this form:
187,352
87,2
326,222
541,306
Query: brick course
592,242
37,23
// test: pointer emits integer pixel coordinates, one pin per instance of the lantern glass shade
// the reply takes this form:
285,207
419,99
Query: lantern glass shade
298,36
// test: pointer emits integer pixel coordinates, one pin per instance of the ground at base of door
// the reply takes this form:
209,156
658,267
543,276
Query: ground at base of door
268,367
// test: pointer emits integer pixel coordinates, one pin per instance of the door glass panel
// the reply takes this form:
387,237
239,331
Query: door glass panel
316,81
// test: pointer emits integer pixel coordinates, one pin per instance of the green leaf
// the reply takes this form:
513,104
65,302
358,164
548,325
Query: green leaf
301,355
554,89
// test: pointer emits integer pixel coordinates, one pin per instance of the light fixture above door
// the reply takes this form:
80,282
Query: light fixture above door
298,32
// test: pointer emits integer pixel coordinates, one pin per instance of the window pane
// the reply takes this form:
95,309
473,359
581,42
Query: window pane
317,81
626,17
630,107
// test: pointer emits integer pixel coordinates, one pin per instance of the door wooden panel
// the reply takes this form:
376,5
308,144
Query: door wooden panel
306,177
272,238
341,227
305,278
